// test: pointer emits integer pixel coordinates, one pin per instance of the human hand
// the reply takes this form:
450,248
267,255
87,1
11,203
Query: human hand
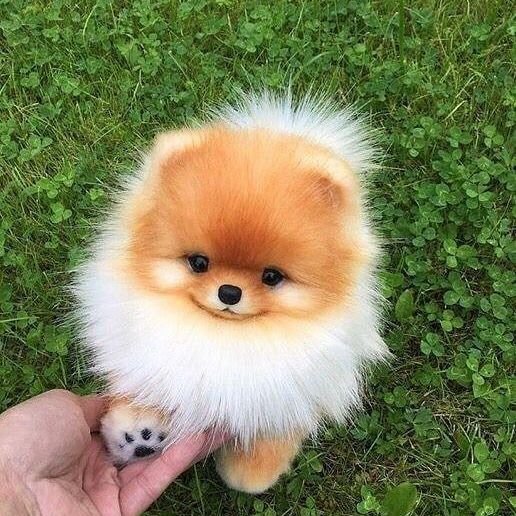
52,462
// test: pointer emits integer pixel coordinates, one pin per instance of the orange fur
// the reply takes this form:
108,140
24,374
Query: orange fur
128,406
249,200
257,470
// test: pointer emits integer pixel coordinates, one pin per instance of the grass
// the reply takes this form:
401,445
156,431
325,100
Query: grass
84,84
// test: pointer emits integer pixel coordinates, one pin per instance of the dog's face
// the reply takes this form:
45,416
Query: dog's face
242,225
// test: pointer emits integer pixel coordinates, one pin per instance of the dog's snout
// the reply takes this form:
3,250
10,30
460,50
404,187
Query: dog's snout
230,294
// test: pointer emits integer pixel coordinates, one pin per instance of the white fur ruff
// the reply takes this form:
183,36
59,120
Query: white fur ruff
250,379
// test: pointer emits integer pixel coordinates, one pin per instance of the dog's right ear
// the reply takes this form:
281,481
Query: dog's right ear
169,144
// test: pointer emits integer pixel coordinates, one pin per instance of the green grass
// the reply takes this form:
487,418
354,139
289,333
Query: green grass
84,84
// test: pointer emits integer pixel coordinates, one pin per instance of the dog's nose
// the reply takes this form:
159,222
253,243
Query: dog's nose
229,294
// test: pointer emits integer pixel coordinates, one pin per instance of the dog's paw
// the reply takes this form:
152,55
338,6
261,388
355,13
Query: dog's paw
132,433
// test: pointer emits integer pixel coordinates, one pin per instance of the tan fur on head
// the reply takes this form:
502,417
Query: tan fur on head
248,200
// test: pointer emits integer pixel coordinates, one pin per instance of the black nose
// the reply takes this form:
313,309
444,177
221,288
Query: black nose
230,294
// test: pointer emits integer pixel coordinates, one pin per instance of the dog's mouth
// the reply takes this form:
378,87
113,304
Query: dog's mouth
224,313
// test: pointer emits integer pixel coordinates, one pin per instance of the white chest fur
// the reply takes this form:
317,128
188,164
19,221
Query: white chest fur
250,379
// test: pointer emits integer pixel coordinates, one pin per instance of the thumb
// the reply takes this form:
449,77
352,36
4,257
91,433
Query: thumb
143,489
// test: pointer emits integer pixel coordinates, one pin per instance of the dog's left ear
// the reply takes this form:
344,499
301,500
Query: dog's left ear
334,181
328,190
171,143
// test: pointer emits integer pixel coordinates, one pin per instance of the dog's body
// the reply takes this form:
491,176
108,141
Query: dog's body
233,287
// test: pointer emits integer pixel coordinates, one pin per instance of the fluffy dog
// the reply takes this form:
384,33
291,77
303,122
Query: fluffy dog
233,286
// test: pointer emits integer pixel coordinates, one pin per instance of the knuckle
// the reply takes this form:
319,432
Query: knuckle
60,394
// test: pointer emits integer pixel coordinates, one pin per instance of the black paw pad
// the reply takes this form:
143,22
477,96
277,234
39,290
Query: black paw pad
129,438
143,451
146,434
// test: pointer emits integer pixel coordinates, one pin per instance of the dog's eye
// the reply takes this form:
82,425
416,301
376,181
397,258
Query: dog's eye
272,277
198,262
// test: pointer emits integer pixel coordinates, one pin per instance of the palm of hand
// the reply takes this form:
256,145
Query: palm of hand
87,484
64,468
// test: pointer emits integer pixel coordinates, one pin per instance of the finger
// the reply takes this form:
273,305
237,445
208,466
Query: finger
212,442
100,480
96,463
93,407
143,489
133,470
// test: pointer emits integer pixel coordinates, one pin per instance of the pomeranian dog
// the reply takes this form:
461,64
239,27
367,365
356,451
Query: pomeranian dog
233,286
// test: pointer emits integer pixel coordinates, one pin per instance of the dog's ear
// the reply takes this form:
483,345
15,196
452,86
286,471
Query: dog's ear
333,181
169,144
328,190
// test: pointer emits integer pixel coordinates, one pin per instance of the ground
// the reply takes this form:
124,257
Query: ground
84,85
